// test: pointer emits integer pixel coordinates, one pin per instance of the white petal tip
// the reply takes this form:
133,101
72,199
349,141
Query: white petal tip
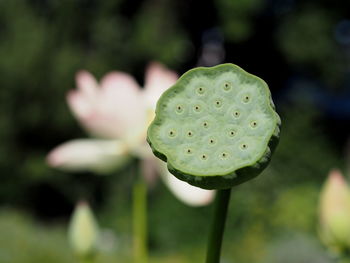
188,194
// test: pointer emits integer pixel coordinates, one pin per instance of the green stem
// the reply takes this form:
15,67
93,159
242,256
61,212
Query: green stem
222,200
140,218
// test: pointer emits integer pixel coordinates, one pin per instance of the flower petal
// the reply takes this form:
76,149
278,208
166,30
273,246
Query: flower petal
86,83
88,155
190,195
122,103
157,80
79,105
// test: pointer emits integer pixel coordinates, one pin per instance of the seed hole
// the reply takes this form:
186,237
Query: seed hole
218,103
200,90
205,124
224,155
172,133
253,124
211,141
227,86
244,146
236,114
204,157
197,108
189,151
190,133
246,99
179,109
232,133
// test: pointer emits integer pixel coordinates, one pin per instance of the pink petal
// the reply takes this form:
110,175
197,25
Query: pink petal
80,106
122,102
86,83
336,178
157,80
89,113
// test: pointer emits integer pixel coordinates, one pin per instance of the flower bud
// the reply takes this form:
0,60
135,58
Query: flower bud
83,230
335,213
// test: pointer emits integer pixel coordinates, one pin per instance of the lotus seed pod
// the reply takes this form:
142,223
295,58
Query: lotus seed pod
216,127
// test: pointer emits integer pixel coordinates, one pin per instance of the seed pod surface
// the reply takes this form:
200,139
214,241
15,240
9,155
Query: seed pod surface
216,127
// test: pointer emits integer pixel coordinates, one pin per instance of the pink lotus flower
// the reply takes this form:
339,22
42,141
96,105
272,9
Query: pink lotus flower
117,112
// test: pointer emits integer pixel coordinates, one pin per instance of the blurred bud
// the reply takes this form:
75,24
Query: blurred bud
335,213
83,230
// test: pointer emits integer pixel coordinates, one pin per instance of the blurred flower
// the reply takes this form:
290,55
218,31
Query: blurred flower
335,212
88,154
83,231
118,111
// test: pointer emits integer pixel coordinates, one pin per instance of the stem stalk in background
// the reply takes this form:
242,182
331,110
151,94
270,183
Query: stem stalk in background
222,200
140,218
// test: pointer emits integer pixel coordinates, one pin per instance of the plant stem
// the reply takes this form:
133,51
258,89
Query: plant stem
140,218
222,200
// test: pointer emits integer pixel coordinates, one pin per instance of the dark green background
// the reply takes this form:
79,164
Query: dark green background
300,48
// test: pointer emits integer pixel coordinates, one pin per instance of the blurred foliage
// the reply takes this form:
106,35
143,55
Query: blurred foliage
296,247
307,39
158,35
23,241
238,17
300,203
179,241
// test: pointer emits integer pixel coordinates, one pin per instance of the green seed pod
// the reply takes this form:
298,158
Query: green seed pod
216,127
